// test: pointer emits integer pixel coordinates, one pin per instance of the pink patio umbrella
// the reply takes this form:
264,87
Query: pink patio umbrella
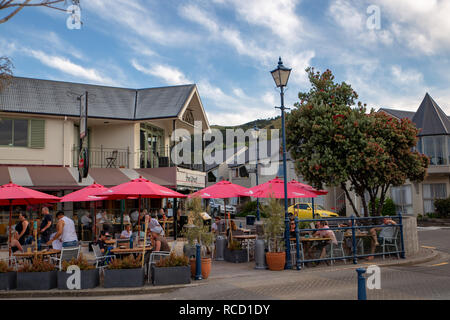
275,188
13,194
87,194
309,188
137,189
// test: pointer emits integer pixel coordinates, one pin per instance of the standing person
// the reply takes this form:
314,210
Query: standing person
158,240
21,235
65,231
46,225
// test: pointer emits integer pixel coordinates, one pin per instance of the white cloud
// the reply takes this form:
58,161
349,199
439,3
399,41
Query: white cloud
406,77
168,74
65,65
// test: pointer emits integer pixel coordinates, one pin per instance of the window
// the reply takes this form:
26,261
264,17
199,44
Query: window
402,198
431,192
22,133
435,148
280,172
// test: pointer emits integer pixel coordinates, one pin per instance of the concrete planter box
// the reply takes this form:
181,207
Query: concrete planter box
124,278
236,256
89,279
8,280
171,275
36,280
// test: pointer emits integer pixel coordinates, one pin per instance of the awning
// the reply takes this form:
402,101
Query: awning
63,178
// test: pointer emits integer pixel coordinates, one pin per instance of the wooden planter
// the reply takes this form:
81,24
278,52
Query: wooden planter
124,278
206,267
236,256
36,280
89,279
8,280
170,275
276,260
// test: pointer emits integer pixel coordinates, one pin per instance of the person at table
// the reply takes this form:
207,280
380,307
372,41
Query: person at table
56,244
292,233
159,242
134,216
215,225
327,233
126,218
231,228
376,239
86,221
161,214
154,222
22,233
65,231
46,224
126,234
101,241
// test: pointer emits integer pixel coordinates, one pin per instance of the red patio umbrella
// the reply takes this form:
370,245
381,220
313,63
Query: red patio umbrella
137,189
275,188
309,188
87,194
222,190
13,194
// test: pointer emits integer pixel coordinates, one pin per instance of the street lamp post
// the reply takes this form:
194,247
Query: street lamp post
281,76
255,134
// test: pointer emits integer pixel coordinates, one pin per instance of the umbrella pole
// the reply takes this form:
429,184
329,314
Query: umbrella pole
10,226
145,238
139,220
95,222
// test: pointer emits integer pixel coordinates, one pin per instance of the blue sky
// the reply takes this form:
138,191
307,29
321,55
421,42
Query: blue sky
228,47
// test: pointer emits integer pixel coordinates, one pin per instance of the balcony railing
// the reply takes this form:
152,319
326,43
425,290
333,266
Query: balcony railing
104,157
161,157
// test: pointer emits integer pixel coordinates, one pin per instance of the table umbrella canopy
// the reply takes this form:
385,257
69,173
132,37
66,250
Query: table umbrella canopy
308,187
13,194
223,189
86,194
275,188
139,188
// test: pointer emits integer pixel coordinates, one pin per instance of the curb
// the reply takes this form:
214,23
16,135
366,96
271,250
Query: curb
93,292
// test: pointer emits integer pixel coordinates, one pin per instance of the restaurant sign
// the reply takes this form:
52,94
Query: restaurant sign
190,178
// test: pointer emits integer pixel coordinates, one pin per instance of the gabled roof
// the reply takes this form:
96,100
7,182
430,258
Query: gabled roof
430,118
49,97
399,114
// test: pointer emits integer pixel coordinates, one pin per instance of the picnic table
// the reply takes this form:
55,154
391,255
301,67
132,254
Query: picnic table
135,250
41,253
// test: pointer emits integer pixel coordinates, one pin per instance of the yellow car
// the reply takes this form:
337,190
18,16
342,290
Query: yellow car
304,211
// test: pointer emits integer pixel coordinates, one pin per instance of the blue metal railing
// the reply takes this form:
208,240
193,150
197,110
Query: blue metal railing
354,227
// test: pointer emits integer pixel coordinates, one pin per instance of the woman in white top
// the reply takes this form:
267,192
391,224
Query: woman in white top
126,234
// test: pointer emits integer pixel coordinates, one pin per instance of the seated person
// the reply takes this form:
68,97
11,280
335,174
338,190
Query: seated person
231,228
56,243
324,234
375,240
101,242
86,221
154,223
292,233
126,234
158,241
21,236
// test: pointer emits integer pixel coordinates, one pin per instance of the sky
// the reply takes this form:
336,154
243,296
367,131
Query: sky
228,48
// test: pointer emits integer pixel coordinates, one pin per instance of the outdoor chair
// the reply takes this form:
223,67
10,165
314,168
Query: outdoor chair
154,257
337,250
67,254
111,161
294,253
389,237
101,261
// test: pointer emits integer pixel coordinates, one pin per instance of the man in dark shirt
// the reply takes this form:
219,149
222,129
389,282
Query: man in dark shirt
46,224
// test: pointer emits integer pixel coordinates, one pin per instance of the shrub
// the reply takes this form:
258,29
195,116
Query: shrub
274,224
129,262
81,262
4,267
38,265
249,208
173,260
442,207
388,207
234,245
342,212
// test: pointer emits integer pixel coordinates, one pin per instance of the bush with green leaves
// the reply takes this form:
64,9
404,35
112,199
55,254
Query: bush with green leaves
249,208
274,225
442,207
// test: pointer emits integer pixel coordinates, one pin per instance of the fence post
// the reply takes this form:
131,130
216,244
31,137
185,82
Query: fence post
361,284
400,220
354,241
297,241
198,263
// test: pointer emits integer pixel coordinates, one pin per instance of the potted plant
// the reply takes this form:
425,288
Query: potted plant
234,252
8,276
126,272
90,277
171,270
38,275
199,233
273,231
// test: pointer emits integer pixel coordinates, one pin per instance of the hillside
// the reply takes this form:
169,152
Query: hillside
271,123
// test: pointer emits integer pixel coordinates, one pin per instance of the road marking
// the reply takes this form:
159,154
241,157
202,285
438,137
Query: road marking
427,247
439,264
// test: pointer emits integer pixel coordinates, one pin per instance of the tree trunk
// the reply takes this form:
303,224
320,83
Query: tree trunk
347,194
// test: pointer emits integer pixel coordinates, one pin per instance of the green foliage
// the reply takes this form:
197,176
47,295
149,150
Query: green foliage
274,224
199,233
442,207
173,260
38,265
249,208
235,245
4,267
81,262
128,262
388,207
334,141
